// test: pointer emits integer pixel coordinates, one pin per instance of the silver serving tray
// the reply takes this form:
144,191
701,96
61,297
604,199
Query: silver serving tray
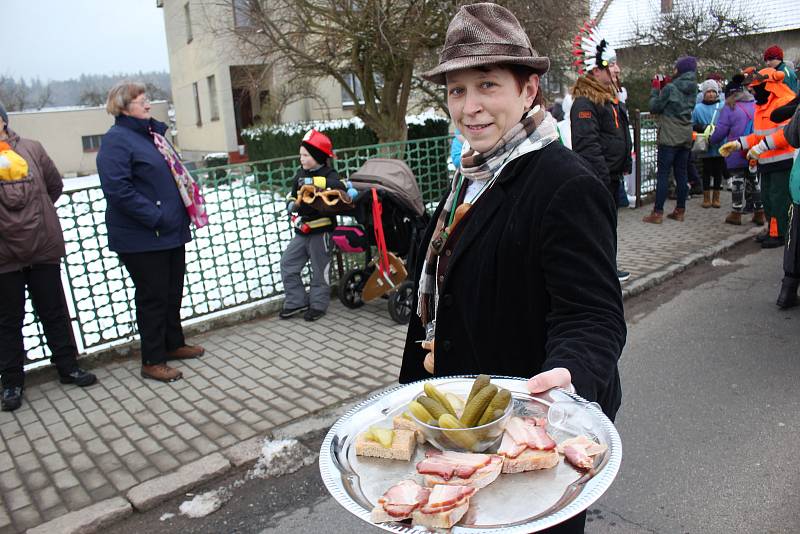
514,503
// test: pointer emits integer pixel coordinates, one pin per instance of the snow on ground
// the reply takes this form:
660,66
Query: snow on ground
205,503
719,262
281,457
165,516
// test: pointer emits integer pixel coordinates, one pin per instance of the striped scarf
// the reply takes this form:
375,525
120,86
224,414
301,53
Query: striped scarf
536,130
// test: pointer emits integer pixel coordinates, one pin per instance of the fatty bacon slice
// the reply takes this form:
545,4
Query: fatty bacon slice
403,498
444,498
447,464
525,433
580,450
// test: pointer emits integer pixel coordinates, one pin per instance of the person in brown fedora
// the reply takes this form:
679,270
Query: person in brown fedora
518,272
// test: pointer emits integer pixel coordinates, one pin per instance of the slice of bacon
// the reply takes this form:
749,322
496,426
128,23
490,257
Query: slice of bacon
576,455
444,498
448,464
536,421
509,448
592,447
403,498
534,437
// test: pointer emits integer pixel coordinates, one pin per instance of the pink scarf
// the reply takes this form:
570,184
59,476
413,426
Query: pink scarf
187,187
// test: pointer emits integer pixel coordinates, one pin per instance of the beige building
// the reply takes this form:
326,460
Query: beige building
72,135
217,90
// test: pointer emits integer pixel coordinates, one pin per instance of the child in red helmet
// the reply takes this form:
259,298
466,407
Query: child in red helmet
773,57
312,239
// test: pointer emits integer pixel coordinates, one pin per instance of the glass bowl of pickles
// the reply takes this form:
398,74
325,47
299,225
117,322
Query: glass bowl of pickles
453,421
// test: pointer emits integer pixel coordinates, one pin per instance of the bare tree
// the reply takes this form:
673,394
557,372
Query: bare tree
370,47
714,31
92,96
44,97
13,94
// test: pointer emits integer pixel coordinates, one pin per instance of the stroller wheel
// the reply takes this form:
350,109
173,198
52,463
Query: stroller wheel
350,287
400,302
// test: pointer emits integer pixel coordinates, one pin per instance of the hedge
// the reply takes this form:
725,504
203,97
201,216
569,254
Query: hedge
269,142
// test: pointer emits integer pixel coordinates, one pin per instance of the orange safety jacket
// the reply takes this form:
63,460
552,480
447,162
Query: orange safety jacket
779,154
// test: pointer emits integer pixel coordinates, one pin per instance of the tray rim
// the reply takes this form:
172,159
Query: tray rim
594,488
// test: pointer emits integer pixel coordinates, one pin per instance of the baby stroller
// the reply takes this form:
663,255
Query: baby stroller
392,218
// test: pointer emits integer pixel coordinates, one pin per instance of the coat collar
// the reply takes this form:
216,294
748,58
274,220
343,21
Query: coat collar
142,126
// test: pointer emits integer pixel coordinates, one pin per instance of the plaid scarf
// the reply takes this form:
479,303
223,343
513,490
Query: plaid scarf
187,188
536,130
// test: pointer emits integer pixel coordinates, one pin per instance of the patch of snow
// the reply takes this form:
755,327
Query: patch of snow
205,503
215,155
281,457
167,515
719,262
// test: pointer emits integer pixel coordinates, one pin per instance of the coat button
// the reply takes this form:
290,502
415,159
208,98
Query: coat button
448,252
441,278
446,345
447,300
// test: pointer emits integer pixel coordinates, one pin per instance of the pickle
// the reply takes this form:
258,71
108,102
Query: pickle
455,401
456,433
480,382
384,436
498,403
435,394
475,408
433,407
419,411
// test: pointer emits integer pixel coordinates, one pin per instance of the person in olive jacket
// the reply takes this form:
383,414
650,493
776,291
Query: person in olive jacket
598,120
31,248
148,227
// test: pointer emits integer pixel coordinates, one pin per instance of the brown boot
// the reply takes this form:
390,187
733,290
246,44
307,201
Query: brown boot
161,372
185,352
734,217
759,217
706,199
677,215
654,218
715,199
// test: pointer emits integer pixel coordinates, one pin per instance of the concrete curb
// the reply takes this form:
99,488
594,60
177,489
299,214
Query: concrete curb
87,520
152,493
640,285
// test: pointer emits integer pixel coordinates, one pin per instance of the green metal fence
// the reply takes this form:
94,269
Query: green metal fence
233,262
644,135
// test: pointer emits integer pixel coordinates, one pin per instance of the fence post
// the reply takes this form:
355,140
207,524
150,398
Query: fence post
637,149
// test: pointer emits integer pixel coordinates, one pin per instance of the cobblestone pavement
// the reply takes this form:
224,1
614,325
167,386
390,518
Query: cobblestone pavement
73,447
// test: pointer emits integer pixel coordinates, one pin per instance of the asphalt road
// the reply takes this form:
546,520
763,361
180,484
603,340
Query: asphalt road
709,422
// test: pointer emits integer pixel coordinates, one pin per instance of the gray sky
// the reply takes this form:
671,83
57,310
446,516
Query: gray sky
61,39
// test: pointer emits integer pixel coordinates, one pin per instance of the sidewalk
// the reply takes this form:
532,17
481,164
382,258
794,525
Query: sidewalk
75,447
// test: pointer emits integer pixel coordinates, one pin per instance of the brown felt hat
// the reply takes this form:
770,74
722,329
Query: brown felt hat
485,34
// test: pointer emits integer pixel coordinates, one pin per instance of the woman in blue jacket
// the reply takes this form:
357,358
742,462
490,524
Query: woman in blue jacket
148,226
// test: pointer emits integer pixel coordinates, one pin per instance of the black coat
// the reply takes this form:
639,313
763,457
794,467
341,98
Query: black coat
600,130
532,282
306,212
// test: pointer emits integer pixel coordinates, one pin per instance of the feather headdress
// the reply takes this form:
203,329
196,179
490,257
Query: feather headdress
591,49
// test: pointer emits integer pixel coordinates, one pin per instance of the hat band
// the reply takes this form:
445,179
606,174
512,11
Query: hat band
484,49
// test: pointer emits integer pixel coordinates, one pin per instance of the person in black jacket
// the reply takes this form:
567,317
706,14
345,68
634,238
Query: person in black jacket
598,120
517,273
313,229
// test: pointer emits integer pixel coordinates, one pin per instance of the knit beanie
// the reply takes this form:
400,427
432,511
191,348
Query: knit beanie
709,85
318,155
4,115
773,52
686,64
735,85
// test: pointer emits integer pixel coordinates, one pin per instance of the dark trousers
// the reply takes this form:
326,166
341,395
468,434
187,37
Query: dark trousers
713,168
158,278
675,158
47,296
791,254
776,197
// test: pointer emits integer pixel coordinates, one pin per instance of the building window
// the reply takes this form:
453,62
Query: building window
244,14
188,17
196,94
355,85
212,97
91,143
666,6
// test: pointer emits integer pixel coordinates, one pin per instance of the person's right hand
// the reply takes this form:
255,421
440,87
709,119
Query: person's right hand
729,148
429,358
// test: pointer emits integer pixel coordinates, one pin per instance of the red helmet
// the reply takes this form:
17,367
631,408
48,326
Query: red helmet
773,52
320,141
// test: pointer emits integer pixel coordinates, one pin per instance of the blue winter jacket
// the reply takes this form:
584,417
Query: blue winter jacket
703,115
144,210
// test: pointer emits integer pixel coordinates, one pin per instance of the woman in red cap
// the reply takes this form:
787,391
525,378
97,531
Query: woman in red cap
312,239
773,57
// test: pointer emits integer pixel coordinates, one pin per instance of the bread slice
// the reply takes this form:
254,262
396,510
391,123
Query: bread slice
440,519
479,479
531,460
403,446
400,422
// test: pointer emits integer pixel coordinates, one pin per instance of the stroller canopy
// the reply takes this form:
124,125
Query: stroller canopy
392,176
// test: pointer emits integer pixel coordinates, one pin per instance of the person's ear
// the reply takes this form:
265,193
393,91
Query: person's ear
530,90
